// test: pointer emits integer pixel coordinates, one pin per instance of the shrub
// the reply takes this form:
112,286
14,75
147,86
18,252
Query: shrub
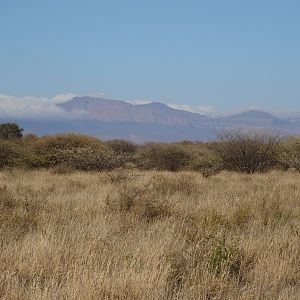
186,143
122,147
171,157
290,156
88,158
33,160
10,154
248,151
207,164
50,144
50,151
30,138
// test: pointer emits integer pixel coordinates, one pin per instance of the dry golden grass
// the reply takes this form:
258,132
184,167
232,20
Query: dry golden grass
149,235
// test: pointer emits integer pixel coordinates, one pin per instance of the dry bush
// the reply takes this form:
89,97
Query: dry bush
87,159
290,155
207,164
171,157
29,138
73,151
202,158
248,151
122,146
237,150
66,141
11,154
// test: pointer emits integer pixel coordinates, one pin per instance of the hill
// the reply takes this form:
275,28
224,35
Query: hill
110,119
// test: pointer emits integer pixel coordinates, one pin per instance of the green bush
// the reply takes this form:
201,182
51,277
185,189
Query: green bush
171,157
248,151
10,131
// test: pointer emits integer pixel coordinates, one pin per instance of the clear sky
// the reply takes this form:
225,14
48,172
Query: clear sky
227,54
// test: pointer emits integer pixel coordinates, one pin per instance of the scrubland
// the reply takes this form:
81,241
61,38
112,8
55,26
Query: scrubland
149,234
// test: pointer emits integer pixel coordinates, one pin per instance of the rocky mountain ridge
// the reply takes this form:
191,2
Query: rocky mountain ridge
117,119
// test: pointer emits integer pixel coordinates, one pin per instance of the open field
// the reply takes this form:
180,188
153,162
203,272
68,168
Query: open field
131,234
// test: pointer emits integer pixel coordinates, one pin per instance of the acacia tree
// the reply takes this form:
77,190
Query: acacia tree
10,131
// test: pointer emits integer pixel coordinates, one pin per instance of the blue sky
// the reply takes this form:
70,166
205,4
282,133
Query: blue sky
225,54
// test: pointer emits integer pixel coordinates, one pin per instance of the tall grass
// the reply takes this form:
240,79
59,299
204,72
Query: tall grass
131,234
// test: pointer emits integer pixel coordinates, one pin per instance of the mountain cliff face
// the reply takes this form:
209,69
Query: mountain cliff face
157,122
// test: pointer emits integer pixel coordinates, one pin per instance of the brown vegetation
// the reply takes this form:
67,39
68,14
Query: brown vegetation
150,221
130,234
236,150
248,151
290,156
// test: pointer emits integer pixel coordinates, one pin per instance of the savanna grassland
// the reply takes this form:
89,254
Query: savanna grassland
133,234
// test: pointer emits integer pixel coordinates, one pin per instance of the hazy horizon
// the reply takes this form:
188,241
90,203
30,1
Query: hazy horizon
41,107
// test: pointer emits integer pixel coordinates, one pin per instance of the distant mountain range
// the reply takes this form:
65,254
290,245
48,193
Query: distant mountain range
121,111
115,119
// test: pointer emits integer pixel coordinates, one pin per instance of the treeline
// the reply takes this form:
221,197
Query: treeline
235,150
